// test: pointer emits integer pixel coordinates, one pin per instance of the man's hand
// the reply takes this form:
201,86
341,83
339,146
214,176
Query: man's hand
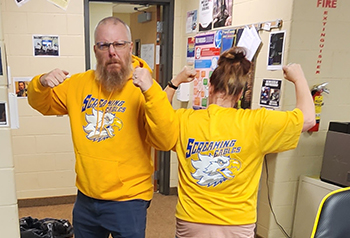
53,78
142,78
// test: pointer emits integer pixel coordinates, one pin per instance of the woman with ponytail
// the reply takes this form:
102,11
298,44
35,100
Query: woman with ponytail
221,149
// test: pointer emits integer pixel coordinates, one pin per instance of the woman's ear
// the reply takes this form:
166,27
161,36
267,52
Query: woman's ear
240,94
211,89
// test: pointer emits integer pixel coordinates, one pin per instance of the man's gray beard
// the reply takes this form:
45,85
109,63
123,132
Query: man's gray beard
114,80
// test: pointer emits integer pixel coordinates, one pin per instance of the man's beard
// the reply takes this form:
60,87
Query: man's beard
114,80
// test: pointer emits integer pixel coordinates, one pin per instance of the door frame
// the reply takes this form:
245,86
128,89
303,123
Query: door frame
165,69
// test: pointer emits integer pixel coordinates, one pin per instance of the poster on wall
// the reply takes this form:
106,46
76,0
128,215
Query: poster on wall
207,52
190,51
270,93
205,15
228,39
191,21
21,85
3,114
46,46
222,13
276,50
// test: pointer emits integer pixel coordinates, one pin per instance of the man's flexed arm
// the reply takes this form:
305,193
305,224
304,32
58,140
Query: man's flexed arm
53,78
41,95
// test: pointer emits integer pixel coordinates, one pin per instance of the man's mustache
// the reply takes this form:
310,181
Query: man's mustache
113,62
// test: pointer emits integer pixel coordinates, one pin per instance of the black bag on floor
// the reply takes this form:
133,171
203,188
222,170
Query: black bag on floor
45,228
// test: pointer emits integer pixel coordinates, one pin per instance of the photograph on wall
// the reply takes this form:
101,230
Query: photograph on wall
45,45
276,50
20,2
205,15
270,93
207,53
222,13
3,114
21,86
191,21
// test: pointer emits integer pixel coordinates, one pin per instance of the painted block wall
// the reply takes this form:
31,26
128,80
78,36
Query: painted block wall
42,147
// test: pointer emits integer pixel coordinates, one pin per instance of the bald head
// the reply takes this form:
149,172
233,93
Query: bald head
112,21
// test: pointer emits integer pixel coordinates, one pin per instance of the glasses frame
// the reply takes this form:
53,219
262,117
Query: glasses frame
117,45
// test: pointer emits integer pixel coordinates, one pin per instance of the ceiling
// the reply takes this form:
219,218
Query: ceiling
127,8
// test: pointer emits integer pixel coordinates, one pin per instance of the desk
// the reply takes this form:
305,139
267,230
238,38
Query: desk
311,191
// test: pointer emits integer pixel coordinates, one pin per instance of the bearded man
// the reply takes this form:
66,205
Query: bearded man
117,113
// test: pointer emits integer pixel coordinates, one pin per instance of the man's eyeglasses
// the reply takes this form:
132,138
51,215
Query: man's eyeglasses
117,45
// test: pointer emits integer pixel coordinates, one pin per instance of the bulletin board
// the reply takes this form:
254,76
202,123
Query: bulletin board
207,49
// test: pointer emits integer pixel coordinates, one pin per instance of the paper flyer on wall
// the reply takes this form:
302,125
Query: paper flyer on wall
191,21
207,53
147,54
250,40
205,15
222,13
276,50
270,93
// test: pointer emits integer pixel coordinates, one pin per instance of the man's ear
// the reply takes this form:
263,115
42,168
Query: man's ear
131,46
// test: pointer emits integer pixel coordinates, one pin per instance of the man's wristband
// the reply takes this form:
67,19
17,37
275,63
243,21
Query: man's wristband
170,84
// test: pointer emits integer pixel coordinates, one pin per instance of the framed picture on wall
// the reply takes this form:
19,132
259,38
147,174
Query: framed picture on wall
276,50
3,114
21,85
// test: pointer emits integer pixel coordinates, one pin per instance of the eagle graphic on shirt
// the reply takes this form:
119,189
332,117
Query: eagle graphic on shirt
103,128
211,171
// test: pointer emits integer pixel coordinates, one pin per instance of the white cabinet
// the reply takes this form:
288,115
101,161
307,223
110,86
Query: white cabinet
311,191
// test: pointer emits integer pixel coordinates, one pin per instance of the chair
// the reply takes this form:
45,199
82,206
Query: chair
333,216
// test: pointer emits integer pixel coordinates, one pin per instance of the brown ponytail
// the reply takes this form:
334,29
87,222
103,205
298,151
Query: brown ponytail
231,74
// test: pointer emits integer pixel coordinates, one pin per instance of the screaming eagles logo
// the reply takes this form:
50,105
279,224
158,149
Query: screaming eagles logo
211,171
103,128
101,123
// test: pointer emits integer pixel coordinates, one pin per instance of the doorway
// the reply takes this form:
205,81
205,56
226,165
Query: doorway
162,68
